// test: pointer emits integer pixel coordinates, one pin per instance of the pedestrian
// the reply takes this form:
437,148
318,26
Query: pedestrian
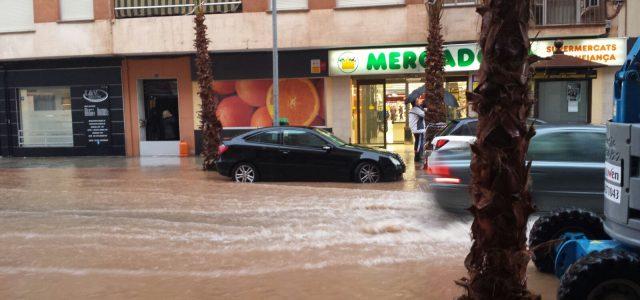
169,126
417,126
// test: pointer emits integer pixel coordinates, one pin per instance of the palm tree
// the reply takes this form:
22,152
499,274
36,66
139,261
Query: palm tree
497,261
434,70
210,124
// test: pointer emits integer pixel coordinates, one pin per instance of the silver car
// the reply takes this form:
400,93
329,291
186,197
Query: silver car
567,170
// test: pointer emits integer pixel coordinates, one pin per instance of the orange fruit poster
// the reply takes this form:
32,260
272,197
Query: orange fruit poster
249,103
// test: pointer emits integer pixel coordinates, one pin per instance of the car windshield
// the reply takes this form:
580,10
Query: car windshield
332,138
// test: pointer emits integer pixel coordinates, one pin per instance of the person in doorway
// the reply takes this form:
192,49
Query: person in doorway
417,126
169,126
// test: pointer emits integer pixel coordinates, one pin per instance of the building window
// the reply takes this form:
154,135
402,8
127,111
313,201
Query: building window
290,5
16,16
76,10
569,12
45,117
460,2
363,3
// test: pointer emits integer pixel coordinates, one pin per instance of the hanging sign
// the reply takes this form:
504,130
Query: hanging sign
462,57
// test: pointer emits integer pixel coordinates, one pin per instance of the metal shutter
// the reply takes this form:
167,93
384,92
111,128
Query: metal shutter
16,15
71,10
292,4
360,3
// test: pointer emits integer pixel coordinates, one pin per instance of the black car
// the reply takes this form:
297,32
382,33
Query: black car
304,153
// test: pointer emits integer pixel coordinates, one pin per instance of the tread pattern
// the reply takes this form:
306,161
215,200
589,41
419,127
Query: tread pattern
550,227
597,267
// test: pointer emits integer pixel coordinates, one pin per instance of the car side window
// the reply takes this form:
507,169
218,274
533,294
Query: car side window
568,146
267,137
591,146
557,146
301,138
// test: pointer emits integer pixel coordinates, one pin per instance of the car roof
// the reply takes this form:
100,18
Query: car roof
262,129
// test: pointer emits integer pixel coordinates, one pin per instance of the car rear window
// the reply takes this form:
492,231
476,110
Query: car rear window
450,127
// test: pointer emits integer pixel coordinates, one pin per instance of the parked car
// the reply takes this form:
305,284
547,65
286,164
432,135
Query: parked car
460,134
304,153
567,170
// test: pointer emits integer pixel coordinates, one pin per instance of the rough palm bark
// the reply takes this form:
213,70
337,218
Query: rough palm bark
434,70
498,258
210,124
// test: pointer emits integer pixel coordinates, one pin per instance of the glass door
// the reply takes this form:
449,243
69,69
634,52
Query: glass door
371,113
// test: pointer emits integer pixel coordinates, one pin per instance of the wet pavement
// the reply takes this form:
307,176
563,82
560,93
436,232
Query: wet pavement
114,228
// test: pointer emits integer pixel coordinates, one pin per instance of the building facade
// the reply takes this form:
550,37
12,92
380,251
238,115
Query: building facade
346,65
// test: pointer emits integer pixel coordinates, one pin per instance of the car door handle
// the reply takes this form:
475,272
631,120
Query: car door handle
284,151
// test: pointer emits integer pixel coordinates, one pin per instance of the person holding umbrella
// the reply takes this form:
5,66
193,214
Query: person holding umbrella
417,126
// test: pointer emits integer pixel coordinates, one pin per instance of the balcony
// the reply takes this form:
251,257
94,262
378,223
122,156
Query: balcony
569,12
157,8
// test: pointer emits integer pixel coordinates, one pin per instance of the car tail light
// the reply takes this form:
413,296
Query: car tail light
222,149
442,174
440,143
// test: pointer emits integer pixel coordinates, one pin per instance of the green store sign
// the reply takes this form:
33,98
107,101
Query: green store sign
464,57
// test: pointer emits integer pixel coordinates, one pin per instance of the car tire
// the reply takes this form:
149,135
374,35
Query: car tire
368,172
244,172
551,227
609,274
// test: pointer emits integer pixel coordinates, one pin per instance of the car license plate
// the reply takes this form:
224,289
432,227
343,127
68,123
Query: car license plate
612,192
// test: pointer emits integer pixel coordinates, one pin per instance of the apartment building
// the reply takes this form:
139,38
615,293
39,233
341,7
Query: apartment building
116,77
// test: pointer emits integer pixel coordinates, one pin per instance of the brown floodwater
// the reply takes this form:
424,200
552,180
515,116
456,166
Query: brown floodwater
115,228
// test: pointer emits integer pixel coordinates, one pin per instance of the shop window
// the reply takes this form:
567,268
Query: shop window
563,101
249,103
75,10
16,16
362,3
291,5
45,117
460,2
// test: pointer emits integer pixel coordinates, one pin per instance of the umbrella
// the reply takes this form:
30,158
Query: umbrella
449,99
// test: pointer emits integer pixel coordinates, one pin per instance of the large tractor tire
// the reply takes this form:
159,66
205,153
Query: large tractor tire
610,274
551,227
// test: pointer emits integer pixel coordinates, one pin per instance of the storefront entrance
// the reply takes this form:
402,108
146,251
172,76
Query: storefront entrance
563,101
380,112
159,117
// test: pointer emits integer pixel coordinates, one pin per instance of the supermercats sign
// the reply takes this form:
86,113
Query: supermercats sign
461,57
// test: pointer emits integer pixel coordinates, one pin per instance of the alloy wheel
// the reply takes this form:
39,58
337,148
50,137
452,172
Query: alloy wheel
369,173
245,173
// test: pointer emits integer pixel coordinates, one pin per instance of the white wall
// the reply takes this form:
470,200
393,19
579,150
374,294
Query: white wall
338,101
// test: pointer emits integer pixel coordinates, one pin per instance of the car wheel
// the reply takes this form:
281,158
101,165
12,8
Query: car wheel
551,227
244,172
368,172
609,274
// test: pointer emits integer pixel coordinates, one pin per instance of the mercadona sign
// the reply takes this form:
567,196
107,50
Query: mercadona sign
461,57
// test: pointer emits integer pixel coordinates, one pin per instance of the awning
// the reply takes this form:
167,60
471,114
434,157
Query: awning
154,8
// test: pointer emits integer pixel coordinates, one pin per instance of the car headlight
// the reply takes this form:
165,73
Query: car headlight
395,161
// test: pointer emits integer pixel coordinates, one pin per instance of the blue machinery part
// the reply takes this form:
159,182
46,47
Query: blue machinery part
627,89
575,246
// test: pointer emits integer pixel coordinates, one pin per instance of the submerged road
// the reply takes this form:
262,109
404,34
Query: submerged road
113,228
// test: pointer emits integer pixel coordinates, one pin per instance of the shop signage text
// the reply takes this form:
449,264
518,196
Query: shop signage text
97,117
462,57
95,96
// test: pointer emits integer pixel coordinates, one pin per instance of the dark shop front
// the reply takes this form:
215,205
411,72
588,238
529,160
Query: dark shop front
61,108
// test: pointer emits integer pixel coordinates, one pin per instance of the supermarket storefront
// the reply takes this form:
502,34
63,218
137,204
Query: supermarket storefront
377,80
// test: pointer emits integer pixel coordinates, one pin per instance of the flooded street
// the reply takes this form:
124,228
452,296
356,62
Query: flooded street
114,228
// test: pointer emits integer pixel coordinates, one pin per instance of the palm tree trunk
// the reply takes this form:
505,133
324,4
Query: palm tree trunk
497,262
210,124
434,70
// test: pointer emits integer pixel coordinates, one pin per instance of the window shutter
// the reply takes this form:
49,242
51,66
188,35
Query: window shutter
71,10
291,4
360,3
16,15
